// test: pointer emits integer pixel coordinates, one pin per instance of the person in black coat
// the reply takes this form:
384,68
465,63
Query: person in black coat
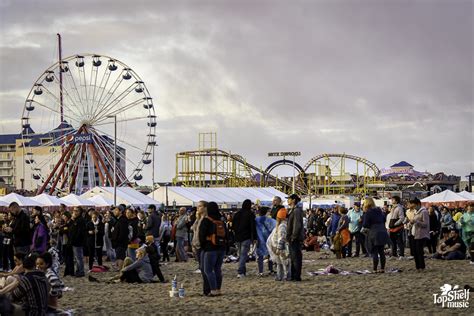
245,233
77,239
120,235
154,256
435,227
20,229
65,234
95,238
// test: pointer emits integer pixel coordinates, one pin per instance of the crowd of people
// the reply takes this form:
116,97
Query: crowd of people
36,246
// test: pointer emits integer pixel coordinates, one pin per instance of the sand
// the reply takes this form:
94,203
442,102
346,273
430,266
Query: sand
408,292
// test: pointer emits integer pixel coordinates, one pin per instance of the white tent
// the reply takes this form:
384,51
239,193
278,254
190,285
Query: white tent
48,200
74,200
444,197
3,203
100,200
231,197
20,199
125,195
467,195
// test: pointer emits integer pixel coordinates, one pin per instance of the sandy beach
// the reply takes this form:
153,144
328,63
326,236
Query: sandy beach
407,292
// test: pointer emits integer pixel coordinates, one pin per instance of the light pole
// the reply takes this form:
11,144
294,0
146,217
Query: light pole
115,157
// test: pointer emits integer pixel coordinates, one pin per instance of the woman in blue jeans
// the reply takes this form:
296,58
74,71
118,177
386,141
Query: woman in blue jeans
212,249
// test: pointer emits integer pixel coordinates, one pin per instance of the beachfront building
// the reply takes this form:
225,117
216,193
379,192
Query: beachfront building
19,151
402,176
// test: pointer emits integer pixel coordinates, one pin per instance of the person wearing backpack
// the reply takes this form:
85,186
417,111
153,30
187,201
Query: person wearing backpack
245,234
264,226
212,239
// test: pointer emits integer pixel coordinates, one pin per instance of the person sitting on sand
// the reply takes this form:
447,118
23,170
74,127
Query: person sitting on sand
32,290
139,271
311,242
278,246
451,249
152,251
10,280
44,263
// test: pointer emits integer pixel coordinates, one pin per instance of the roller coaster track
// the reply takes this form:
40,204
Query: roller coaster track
368,163
299,187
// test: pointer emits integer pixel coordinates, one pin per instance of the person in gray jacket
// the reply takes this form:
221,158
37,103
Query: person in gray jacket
295,236
181,235
421,232
139,271
397,218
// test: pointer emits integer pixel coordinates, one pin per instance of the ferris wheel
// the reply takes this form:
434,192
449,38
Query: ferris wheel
68,125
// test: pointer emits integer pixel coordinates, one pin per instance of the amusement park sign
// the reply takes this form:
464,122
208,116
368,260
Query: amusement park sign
284,153
80,139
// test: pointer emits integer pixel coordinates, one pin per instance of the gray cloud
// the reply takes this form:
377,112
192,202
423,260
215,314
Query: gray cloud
388,80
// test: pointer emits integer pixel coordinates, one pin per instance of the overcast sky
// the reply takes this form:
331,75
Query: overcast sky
385,80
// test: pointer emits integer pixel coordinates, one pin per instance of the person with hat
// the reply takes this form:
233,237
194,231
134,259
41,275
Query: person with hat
295,236
277,245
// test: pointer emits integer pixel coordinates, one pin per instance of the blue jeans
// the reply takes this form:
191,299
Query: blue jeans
180,253
79,260
456,255
212,263
157,244
206,289
244,248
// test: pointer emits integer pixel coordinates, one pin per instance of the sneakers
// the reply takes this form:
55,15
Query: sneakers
197,271
471,262
260,275
240,276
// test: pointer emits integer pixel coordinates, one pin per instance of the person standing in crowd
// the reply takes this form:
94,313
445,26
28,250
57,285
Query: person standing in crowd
141,226
181,235
133,242
201,213
295,236
410,214
20,229
264,227
355,225
467,226
420,231
32,290
334,222
435,227
44,264
153,225
95,239
278,246
446,218
212,239
39,242
78,237
7,250
397,218
109,222
276,206
245,232
312,222
344,234
68,254
377,236
120,233
165,236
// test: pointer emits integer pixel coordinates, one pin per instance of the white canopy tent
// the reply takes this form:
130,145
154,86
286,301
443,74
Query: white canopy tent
101,201
20,199
3,203
74,200
48,200
230,197
125,195
446,196
467,195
